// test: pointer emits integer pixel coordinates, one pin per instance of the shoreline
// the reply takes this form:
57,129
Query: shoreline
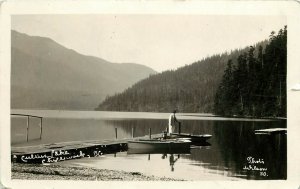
60,172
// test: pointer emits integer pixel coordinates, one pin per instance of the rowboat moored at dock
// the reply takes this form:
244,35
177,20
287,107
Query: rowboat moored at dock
151,144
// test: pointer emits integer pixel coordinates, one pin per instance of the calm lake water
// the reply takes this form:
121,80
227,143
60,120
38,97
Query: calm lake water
226,156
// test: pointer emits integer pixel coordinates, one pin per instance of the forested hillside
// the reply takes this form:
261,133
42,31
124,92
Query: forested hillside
191,88
255,84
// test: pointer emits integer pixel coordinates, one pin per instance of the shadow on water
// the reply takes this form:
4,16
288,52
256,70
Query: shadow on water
239,145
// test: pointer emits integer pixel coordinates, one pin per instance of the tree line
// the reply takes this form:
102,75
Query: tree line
254,84
190,88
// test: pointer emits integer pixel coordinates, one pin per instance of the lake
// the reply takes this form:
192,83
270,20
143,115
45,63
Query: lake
234,152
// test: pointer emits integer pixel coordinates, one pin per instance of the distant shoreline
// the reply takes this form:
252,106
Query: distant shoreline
120,114
240,117
60,172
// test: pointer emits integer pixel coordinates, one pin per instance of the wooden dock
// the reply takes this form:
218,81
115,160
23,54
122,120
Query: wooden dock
55,152
271,131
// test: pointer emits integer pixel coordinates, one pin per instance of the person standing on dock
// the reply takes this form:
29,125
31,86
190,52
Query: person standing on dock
172,122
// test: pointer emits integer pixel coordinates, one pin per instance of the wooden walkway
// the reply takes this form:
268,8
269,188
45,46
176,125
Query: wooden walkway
271,131
49,153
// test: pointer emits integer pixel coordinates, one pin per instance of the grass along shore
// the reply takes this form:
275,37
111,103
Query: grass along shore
60,172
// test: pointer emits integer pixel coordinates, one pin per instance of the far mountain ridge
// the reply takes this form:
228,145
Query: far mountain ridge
46,75
46,42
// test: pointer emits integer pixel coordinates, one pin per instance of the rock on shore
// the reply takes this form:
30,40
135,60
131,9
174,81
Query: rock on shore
59,172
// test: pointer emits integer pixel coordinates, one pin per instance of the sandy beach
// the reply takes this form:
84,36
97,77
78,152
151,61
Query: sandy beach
60,172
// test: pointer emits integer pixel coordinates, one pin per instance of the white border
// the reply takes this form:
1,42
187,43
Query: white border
291,9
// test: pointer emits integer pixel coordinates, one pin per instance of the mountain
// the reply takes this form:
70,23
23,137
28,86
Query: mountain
47,75
191,88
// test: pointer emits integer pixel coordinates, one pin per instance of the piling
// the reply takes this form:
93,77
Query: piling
132,132
41,127
150,133
116,131
27,128
179,128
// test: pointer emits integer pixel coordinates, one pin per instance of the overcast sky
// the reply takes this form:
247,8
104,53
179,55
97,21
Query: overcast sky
159,41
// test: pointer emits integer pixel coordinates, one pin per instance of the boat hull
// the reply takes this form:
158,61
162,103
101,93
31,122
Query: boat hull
193,138
153,145
159,151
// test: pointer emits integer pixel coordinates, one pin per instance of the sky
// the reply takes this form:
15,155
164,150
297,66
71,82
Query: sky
161,42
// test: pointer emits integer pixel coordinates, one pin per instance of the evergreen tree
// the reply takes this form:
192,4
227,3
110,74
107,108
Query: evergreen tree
258,80
223,101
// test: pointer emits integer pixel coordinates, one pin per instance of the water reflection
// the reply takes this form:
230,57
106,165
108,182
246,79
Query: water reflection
173,155
173,160
225,154
240,142
232,143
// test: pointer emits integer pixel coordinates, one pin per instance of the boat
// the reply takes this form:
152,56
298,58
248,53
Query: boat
155,144
193,138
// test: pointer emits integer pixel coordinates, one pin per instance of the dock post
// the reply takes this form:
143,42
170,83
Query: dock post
132,130
150,133
179,128
116,131
27,128
41,127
